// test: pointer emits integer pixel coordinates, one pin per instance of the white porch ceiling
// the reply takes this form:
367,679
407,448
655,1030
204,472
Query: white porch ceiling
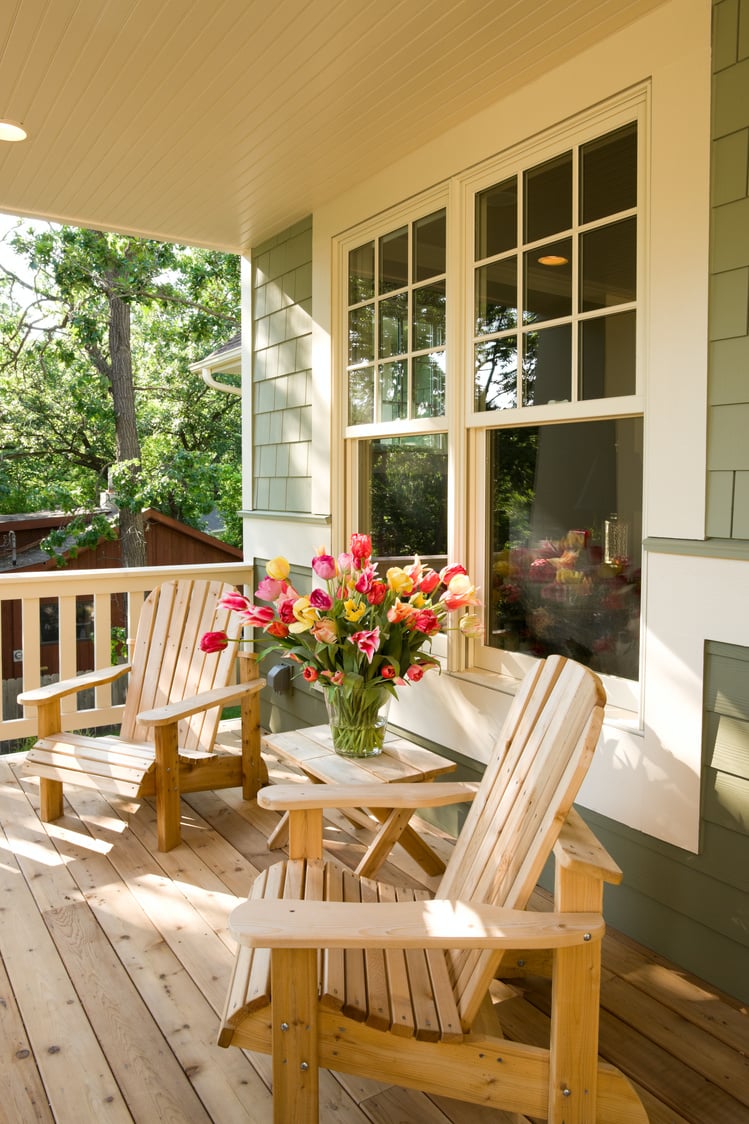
220,122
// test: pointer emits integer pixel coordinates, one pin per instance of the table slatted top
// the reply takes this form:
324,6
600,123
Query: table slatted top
311,748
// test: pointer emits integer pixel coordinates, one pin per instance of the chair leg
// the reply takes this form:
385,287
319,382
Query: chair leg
50,793
167,787
254,771
575,1005
294,1036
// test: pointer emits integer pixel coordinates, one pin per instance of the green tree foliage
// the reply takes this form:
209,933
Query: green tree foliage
97,332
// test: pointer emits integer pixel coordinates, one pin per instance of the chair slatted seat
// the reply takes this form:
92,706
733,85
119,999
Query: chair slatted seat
370,979
167,739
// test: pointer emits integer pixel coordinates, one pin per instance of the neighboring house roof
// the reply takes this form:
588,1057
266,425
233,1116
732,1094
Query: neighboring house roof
31,529
225,360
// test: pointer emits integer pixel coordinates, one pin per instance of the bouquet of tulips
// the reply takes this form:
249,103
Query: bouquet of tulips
356,632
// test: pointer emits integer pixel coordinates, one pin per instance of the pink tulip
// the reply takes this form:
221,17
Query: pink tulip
324,566
367,642
235,601
213,642
319,599
415,673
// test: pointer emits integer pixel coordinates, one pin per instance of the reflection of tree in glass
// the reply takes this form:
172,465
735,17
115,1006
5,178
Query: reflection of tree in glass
495,379
408,501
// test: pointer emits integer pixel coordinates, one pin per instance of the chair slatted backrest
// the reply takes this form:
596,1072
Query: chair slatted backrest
167,664
530,783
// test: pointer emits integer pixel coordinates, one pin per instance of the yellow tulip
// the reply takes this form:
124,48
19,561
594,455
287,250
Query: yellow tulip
278,569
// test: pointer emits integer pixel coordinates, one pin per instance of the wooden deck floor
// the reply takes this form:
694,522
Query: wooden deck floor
116,959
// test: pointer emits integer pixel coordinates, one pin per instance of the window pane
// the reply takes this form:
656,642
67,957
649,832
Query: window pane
608,272
429,386
496,374
497,219
429,246
608,174
429,316
361,396
361,273
394,260
548,198
403,502
496,296
607,356
548,282
566,528
547,366
392,379
394,325
361,334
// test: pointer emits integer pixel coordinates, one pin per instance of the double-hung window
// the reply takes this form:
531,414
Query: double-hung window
541,371
396,383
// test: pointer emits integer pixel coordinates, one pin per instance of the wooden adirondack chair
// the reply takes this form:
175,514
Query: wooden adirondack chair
365,978
166,743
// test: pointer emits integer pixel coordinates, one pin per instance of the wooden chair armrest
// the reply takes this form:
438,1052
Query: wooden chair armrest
424,924
296,797
71,686
220,696
578,850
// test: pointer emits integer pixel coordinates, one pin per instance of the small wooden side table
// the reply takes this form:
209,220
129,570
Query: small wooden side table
311,750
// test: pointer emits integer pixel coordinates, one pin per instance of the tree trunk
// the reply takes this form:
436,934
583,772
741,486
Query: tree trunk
132,524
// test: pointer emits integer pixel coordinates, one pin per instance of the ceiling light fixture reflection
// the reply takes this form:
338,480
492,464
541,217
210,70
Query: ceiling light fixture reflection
553,259
12,130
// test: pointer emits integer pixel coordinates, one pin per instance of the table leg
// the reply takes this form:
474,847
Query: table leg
393,824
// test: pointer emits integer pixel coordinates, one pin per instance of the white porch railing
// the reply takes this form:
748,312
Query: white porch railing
30,588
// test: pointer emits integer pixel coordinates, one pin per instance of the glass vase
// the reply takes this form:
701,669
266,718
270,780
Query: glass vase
358,720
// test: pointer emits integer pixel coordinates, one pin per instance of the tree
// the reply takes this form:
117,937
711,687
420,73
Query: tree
94,351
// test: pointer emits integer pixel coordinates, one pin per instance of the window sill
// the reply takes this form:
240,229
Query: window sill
616,716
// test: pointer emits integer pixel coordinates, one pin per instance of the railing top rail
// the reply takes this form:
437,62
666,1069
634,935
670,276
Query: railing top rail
13,586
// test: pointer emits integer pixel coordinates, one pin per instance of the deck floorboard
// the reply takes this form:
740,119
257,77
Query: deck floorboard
115,960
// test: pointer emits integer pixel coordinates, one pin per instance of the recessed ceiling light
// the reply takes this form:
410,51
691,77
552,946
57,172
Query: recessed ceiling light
12,131
553,259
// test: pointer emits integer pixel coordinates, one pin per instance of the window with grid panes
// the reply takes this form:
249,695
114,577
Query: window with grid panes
396,368
555,319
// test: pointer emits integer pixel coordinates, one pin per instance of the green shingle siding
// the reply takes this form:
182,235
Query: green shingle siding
728,380
282,377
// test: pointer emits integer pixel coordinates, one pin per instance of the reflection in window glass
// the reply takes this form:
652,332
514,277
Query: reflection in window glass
608,174
404,496
496,296
361,273
394,260
607,356
393,326
496,374
429,246
548,282
548,198
565,551
547,366
361,334
429,316
608,274
428,385
392,379
497,219
361,396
